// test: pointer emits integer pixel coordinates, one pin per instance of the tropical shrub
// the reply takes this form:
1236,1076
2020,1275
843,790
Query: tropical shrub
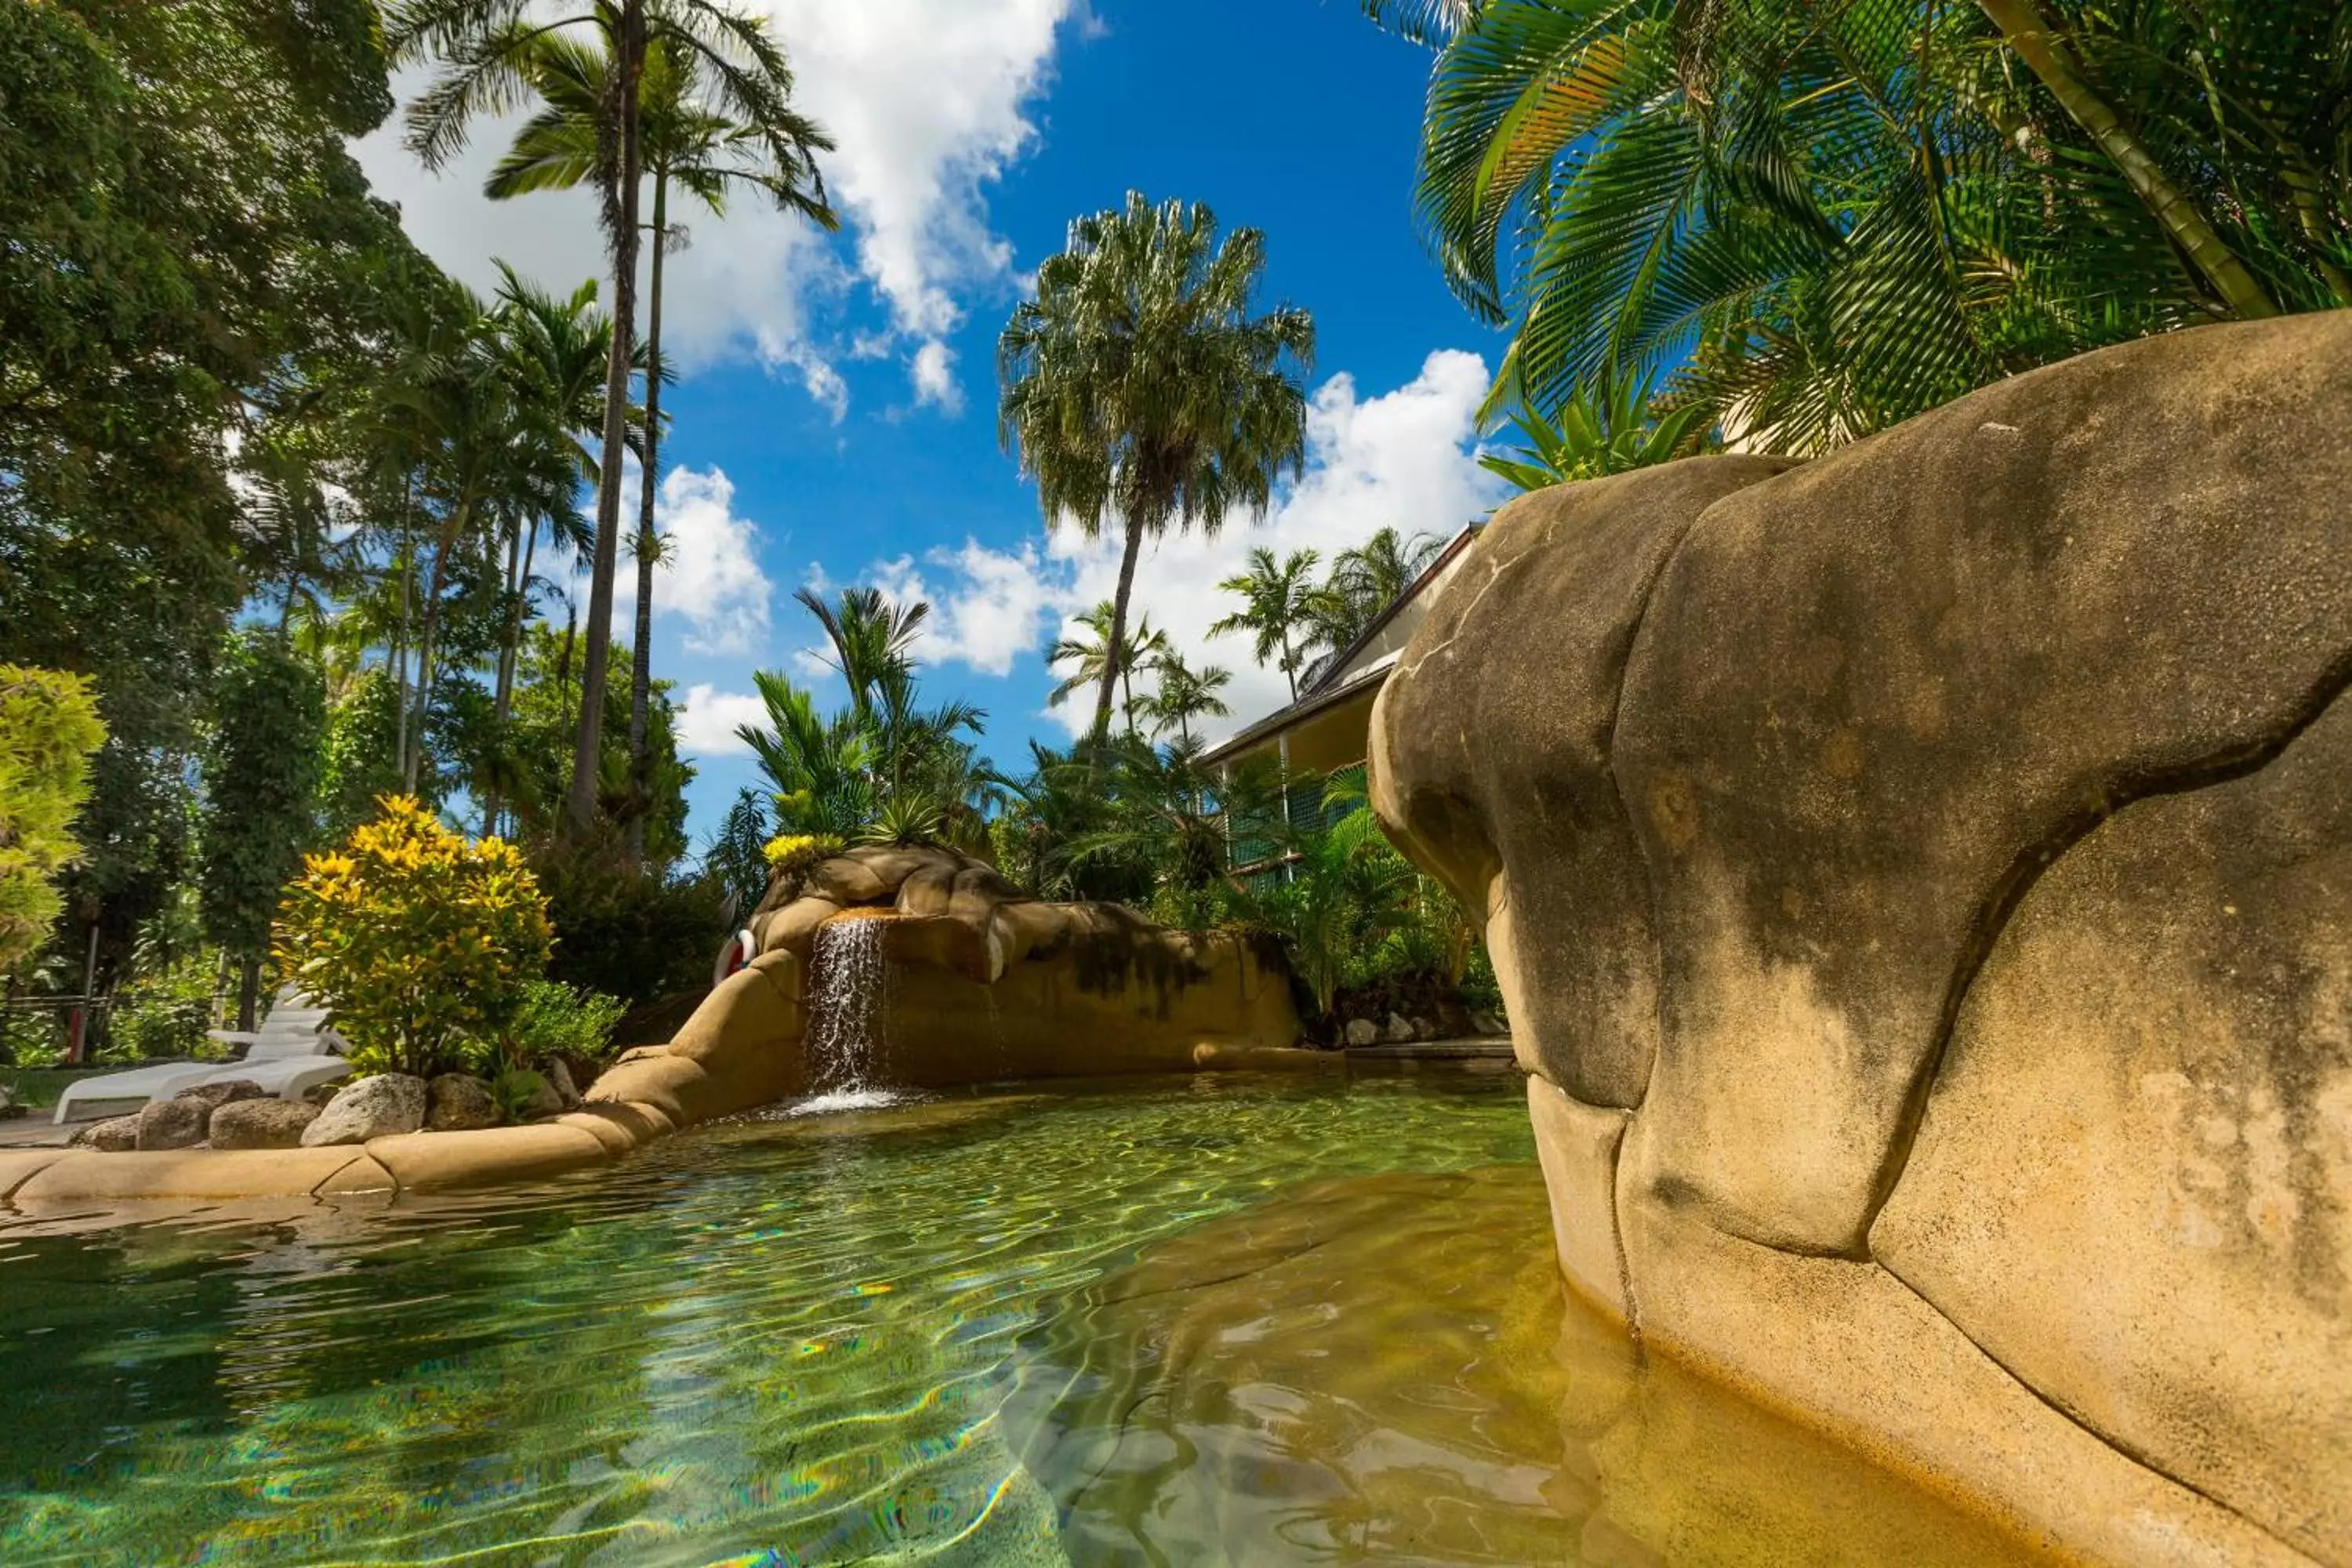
415,938
514,1091
558,1020
48,727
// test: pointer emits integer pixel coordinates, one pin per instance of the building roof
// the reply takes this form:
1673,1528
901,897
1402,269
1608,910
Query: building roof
1335,683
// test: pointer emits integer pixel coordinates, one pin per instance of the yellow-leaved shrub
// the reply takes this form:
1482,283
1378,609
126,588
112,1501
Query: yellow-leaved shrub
420,943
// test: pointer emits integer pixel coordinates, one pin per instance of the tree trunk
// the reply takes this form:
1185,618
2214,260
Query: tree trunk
641,649
248,992
451,533
1289,664
2045,53
1113,654
493,797
587,752
400,643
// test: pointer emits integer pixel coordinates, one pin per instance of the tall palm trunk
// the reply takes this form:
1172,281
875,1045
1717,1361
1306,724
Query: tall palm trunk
641,648
502,702
1289,664
400,642
451,533
621,221
1114,655
2045,52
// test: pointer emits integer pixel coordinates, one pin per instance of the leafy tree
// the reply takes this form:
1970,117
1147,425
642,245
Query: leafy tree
421,945
261,776
48,727
487,48
192,252
1824,217
703,153
1137,383
1277,607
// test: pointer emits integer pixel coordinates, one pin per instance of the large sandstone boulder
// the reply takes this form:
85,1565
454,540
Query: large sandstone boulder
984,984
374,1107
263,1123
1921,883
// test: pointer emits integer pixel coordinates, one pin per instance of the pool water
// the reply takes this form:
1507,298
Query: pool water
1200,1320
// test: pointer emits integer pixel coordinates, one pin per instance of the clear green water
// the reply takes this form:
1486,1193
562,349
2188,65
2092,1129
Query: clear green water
1199,1321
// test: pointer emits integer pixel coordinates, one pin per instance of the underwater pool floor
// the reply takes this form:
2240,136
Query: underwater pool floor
1203,1321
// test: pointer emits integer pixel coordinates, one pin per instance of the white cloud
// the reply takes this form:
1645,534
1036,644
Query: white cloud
929,103
933,372
1406,459
707,717
994,606
928,100
709,572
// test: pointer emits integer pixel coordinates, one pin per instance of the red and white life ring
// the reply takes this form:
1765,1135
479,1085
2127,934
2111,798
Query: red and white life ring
740,949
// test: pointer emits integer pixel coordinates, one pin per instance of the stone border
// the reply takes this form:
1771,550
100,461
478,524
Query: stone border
37,1180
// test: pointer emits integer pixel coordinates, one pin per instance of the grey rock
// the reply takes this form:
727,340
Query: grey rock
558,1079
368,1107
173,1123
1423,1029
1399,1030
544,1101
262,1124
215,1095
459,1102
1488,1025
115,1135
1363,1032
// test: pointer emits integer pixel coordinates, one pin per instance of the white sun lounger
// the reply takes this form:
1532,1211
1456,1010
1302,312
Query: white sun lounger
289,1055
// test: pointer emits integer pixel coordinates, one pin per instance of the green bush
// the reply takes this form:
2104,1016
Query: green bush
558,1020
48,727
416,941
165,1014
627,932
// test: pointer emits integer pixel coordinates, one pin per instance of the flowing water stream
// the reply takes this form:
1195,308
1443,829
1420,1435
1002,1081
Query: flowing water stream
849,999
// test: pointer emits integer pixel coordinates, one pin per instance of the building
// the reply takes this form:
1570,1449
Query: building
1326,729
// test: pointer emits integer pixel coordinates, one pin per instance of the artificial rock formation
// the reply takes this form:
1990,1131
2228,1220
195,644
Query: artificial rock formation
985,983
1922,883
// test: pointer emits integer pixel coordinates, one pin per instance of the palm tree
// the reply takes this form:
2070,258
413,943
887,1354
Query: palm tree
1364,581
1137,384
704,154
558,347
486,48
1112,653
883,766
1274,605
1821,218
1184,694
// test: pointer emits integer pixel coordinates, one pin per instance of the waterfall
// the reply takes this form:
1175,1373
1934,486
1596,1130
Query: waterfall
845,1023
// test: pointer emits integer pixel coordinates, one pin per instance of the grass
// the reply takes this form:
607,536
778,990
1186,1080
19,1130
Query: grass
40,1087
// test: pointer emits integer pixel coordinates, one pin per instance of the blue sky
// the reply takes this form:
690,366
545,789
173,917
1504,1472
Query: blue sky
835,420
